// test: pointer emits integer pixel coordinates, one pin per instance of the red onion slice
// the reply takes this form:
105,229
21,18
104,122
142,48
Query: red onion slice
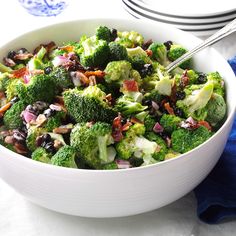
122,164
158,128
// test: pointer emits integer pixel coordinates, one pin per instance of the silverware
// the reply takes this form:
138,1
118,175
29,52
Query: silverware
225,31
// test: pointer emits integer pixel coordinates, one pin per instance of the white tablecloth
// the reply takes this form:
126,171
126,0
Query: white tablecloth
19,217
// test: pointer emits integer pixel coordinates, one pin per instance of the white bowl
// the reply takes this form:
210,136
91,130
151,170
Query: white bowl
113,193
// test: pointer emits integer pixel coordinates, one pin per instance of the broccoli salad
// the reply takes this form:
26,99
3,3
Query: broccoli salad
106,102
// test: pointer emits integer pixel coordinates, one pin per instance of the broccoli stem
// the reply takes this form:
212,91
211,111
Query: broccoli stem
4,68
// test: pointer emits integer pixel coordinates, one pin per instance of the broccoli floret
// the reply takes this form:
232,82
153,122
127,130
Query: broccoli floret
54,121
88,105
159,82
162,149
92,143
40,154
154,95
104,33
110,166
195,101
36,62
61,78
134,144
4,81
40,88
184,140
216,110
65,157
138,57
127,106
134,38
11,91
177,51
217,80
117,71
12,118
159,53
149,122
170,122
127,43
95,52
33,133
117,52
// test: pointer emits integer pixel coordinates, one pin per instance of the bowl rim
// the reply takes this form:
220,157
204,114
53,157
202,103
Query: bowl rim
12,154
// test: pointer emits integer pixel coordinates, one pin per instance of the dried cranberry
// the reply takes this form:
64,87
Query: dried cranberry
113,34
11,54
180,95
22,51
178,112
168,44
47,70
50,147
202,78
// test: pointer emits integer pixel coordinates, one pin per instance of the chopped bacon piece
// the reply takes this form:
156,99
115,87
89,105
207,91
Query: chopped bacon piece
134,120
204,123
117,129
23,56
20,73
49,47
169,108
130,85
97,73
126,126
184,80
149,52
173,92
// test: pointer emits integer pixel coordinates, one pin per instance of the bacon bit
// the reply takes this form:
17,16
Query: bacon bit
49,47
83,79
21,149
8,62
98,73
126,126
2,95
135,120
169,108
173,92
130,85
149,52
23,56
59,101
92,80
5,107
68,48
20,73
117,129
205,124
184,80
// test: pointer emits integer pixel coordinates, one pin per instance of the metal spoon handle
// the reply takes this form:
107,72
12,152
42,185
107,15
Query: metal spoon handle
225,31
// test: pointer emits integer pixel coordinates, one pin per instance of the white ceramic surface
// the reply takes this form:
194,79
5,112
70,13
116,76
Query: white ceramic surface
112,193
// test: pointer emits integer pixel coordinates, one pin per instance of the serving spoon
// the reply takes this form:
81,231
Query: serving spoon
225,31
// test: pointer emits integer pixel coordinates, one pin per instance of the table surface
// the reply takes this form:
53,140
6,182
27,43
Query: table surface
21,217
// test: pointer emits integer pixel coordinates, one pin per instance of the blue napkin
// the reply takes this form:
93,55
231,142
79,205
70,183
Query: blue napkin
216,195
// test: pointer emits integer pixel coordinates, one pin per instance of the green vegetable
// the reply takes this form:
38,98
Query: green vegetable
127,106
95,52
88,105
216,110
177,51
149,122
40,154
104,33
159,53
11,91
184,140
196,100
134,38
12,118
162,147
170,122
65,157
218,82
117,52
54,121
33,133
40,88
92,143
